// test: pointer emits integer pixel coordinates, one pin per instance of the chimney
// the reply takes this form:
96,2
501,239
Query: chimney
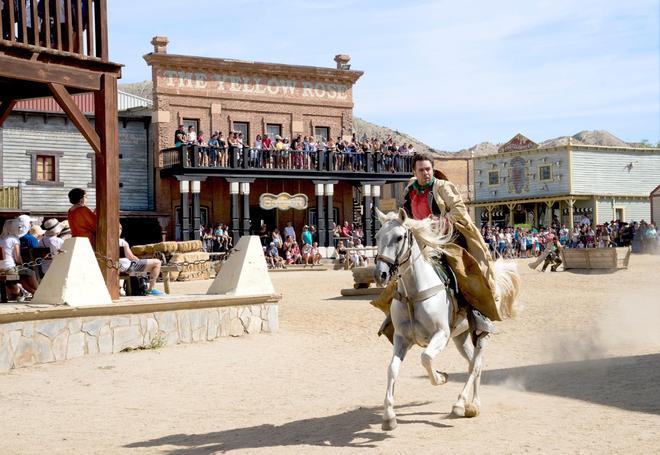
160,44
342,61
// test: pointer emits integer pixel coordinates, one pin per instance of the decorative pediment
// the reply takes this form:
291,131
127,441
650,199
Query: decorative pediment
517,143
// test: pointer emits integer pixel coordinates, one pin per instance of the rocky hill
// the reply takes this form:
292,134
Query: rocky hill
364,128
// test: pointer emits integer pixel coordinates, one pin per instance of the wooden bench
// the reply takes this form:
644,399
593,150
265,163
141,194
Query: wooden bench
127,282
596,258
5,279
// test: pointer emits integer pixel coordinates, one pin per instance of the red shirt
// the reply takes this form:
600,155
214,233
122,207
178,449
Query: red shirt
419,203
82,222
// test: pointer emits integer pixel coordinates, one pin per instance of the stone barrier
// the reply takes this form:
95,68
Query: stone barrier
30,342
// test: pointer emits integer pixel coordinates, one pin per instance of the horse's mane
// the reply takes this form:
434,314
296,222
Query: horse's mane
432,233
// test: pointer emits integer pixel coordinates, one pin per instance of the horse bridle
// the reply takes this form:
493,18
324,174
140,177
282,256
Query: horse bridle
397,262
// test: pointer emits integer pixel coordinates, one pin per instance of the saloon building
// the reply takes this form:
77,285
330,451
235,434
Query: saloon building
275,100
527,184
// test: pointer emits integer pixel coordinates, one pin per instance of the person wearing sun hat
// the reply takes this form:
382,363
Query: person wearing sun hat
51,239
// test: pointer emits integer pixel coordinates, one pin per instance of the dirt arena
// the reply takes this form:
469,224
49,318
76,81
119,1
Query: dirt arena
579,372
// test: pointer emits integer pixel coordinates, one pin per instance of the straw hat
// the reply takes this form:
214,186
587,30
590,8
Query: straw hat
36,230
52,227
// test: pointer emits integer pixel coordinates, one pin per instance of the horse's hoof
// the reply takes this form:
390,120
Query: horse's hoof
389,424
471,410
458,411
443,378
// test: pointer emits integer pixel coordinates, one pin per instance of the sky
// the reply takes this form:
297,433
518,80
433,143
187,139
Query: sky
452,74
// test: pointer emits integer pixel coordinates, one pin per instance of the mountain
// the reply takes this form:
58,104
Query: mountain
364,128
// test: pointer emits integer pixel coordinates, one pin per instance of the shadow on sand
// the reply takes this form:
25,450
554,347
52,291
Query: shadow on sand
348,429
629,383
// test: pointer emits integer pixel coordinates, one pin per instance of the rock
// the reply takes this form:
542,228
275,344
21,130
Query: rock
14,336
28,329
93,326
42,349
91,345
76,345
52,328
126,337
245,315
166,321
105,340
120,321
273,319
24,353
236,328
225,322
74,325
198,323
150,330
212,324
5,355
255,325
59,345
185,332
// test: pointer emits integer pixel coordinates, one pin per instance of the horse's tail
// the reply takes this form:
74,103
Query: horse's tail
507,285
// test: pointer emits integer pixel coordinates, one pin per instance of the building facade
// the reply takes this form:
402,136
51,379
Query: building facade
212,94
43,156
531,185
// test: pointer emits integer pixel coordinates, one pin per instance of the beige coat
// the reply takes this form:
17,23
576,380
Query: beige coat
473,265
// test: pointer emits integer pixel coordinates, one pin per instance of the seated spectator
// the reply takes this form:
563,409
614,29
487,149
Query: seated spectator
10,245
273,257
306,252
315,254
296,255
128,262
341,252
51,239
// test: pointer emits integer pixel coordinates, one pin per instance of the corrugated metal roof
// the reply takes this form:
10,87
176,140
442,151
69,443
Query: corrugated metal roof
85,101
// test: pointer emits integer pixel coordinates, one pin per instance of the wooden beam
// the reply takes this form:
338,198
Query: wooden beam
5,109
66,101
21,69
107,179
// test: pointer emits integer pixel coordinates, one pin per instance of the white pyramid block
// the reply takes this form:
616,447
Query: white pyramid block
245,272
74,278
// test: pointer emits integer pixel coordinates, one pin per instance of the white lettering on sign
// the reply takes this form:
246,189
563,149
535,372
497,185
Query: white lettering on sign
283,201
247,84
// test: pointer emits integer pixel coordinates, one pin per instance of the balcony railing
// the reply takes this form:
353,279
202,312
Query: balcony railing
74,26
10,197
188,157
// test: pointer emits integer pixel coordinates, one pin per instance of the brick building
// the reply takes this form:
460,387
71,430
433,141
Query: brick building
213,94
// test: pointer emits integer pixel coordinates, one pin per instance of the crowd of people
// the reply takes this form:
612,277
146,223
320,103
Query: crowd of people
525,242
301,152
24,240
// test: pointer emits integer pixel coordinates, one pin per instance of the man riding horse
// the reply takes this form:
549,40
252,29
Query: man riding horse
430,194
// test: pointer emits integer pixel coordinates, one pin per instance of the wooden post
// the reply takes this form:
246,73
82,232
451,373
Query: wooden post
107,179
571,204
511,207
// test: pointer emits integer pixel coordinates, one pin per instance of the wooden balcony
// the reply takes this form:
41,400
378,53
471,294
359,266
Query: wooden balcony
53,41
193,160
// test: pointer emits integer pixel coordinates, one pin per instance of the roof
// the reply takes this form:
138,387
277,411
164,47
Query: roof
85,101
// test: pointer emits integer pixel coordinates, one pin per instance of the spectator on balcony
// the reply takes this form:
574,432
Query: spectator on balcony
180,137
279,152
202,150
312,154
266,155
82,220
214,144
256,151
191,137
222,150
297,155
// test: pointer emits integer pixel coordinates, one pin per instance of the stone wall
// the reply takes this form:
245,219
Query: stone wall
34,342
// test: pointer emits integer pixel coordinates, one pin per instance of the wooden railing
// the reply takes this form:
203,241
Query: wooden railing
194,156
73,26
10,197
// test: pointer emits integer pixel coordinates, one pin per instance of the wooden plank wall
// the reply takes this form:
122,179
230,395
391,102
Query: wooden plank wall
31,132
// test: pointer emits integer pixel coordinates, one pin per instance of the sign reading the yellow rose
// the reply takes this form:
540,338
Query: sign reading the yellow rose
283,201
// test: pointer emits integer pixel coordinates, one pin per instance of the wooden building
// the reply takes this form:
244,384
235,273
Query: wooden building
60,52
655,205
213,94
527,184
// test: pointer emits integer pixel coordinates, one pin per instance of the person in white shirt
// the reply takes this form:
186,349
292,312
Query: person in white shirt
10,258
192,136
128,262
289,231
51,239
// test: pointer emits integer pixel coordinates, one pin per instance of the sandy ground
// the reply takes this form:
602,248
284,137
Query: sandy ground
579,372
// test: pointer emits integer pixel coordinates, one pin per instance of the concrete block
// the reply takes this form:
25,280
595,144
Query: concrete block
74,278
245,272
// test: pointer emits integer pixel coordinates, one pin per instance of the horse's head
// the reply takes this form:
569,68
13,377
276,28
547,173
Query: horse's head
394,241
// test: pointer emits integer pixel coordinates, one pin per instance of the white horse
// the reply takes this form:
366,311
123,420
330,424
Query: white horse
423,311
